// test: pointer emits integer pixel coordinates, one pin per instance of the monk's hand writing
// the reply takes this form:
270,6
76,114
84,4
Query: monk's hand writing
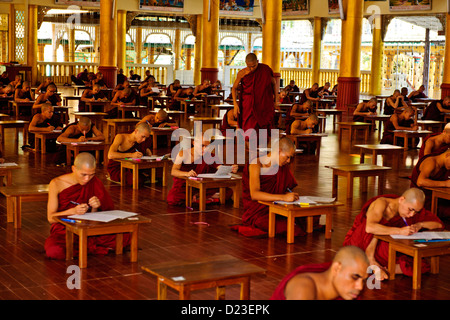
82,139
408,230
191,173
51,128
81,208
234,168
290,196
137,154
94,202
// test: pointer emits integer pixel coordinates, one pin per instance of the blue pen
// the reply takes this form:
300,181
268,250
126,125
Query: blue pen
69,220
404,220
431,240
288,190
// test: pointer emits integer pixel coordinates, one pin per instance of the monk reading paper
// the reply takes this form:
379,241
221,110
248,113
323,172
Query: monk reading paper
129,145
343,278
256,105
269,178
388,215
190,163
78,192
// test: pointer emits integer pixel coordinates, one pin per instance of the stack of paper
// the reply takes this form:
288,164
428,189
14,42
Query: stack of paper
426,235
308,199
103,216
223,172
8,164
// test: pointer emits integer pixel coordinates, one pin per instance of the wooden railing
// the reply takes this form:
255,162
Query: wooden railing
60,72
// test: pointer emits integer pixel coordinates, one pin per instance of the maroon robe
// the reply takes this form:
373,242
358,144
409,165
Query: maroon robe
278,294
256,102
177,194
443,208
114,167
256,215
439,150
55,244
357,235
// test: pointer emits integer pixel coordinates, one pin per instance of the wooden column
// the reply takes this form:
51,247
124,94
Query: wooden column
377,58
32,42
445,86
121,40
198,51
108,41
210,30
316,50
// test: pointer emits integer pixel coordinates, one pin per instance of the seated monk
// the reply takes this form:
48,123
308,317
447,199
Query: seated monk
229,121
433,171
343,278
81,131
203,89
94,94
402,121
149,90
43,86
49,96
189,163
45,121
268,178
121,86
7,91
173,88
182,95
125,97
283,98
24,94
395,103
129,145
436,143
159,120
365,109
311,94
78,192
417,94
387,215
309,125
435,110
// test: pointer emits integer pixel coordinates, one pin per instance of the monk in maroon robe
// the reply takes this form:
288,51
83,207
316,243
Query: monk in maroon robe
387,215
269,178
433,171
77,193
135,144
436,143
343,278
190,163
256,106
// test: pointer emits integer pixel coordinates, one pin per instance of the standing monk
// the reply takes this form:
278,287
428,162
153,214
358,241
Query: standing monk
77,192
256,106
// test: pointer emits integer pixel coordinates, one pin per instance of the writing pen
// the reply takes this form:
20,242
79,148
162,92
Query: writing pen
431,240
70,220
404,220
76,203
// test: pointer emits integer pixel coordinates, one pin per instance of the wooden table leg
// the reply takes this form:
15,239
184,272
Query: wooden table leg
220,293
271,223
349,185
135,172
381,182
162,289
417,270
328,225
290,228
18,213
134,243
236,197
10,208
361,155
434,265
69,244
202,196
82,259
119,243
391,262
334,185
434,202
222,195
165,172
245,289
185,292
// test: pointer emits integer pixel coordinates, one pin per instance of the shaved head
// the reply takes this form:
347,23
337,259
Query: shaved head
349,254
414,195
85,160
85,121
142,127
251,57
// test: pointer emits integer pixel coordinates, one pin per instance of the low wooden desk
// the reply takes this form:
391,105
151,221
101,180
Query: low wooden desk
104,105
141,110
234,183
78,147
16,124
66,99
40,139
77,88
381,118
64,111
431,125
166,131
136,165
17,106
325,103
214,121
336,113
362,171
410,248
6,171
196,103
383,149
86,228
163,100
211,272
175,114
216,108
115,126
438,193
15,195
406,134
308,138
96,118
294,211
353,127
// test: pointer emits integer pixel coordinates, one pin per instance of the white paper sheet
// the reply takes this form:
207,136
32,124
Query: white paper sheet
223,172
308,199
8,164
103,216
426,235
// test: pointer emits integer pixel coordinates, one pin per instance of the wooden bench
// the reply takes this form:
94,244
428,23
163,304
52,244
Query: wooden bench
6,171
362,171
406,134
211,272
77,147
383,149
136,165
15,195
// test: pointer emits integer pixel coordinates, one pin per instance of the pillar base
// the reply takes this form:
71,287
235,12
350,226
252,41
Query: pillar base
210,74
348,93
445,90
109,75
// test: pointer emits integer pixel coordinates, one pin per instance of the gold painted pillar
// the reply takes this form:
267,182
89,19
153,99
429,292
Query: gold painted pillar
32,42
271,31
108,41
188,58
377,61
12,33
177,49
316,50
122,40
445,86
198,50
349,80
210,47
139,45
